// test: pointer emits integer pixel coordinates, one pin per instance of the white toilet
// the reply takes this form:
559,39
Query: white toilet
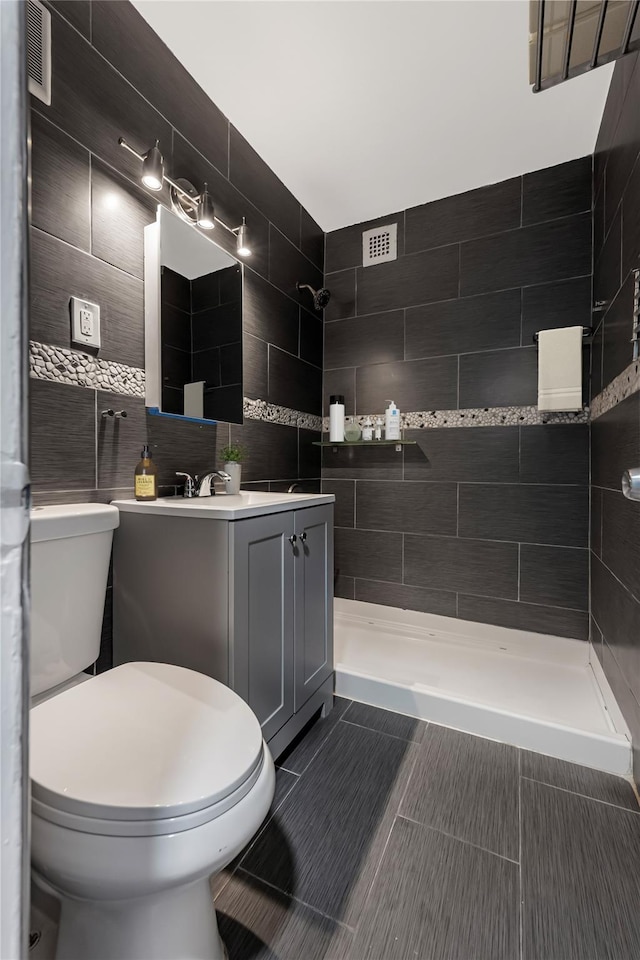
145,779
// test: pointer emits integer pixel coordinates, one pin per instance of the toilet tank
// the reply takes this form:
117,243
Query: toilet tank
70,553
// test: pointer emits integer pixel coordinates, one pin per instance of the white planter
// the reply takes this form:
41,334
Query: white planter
234,470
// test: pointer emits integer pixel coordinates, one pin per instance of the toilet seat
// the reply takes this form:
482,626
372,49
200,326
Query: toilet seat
143,749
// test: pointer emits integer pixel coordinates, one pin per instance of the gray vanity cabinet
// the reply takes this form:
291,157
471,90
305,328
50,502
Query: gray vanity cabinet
282,611
247,601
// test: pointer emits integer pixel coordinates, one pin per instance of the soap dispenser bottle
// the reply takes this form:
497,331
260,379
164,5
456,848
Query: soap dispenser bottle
146,477
392,422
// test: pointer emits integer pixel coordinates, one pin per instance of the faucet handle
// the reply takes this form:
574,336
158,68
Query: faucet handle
189,485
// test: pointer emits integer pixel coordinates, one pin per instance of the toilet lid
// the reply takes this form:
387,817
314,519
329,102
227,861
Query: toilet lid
141,742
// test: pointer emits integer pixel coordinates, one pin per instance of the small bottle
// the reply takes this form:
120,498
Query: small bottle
378,430
145,477
392,425
336,418
367,430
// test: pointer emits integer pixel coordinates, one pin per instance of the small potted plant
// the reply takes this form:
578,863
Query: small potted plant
232,457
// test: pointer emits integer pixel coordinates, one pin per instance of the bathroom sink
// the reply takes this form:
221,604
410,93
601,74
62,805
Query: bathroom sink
225,507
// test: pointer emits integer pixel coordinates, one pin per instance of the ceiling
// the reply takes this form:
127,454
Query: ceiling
366,108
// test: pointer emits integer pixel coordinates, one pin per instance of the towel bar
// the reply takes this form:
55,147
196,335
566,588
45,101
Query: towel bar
587,332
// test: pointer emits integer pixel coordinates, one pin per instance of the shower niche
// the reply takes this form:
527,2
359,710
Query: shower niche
193,324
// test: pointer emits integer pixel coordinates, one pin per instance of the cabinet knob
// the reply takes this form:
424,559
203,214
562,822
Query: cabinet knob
292,539
303,537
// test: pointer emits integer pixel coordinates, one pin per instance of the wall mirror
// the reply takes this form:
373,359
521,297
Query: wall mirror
193,323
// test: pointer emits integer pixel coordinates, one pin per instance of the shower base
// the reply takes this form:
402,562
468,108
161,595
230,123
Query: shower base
542,693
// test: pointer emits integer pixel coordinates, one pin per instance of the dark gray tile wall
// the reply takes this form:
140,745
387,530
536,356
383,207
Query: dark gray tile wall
88,215
89,211
615,436
488,523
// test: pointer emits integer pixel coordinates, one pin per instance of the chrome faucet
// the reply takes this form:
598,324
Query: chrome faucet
202,486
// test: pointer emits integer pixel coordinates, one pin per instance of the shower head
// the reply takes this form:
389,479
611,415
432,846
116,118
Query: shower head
321,297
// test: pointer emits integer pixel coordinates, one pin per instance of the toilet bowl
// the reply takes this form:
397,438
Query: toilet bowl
146,780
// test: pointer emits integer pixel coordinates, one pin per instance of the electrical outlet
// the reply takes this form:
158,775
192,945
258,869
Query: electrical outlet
85,323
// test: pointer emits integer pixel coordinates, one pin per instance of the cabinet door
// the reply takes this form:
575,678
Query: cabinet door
313,527
261,629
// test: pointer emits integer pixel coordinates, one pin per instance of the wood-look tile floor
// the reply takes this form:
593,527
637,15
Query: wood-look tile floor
393,839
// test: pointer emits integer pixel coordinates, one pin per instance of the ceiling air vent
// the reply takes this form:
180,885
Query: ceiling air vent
39,50
380,244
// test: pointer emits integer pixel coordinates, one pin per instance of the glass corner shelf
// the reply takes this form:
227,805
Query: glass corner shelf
334,444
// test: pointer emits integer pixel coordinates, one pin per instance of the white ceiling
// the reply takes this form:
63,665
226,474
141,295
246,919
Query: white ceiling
365,108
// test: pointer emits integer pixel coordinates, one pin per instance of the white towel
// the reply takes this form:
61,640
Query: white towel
560,369
194,399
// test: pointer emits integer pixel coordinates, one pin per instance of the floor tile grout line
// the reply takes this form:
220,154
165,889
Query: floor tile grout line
290,896
452,836
334,727
520,888
384,733
583,796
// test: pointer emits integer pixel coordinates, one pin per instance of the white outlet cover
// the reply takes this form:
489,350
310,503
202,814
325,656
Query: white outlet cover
85,323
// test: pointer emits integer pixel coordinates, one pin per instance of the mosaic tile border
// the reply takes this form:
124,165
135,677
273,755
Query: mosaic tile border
625,384
61,365
272,413
478,417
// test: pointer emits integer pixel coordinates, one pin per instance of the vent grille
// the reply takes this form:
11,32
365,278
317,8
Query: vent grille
39,50
380,244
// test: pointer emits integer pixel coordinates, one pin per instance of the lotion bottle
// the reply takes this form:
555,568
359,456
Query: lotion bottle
392,422
336,418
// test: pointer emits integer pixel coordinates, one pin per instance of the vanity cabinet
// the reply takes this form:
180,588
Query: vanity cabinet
248,602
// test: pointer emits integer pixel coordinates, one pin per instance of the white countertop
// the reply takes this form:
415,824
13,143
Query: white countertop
225,507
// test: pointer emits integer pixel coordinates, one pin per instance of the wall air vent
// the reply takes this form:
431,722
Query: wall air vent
380,244
39,50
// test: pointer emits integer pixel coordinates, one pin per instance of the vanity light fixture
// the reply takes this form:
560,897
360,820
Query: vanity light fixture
197,208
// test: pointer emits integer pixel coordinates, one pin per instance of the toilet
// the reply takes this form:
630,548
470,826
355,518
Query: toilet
146,779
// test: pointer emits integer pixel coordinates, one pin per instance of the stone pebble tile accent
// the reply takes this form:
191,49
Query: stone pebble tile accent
623,386
272,413
479,417
61,365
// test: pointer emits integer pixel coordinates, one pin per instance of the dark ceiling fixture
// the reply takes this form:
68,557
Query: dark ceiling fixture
571,37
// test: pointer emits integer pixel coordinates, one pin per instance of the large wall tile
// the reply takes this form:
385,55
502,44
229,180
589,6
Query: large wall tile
621,539
536,254
342,287
253,177
60,178
502,378
309,461
255,368
311,239
617,614
369,555
344,492
344,247
153,70
607,271
564,303
541,514
294,383
477,213
625,143
421,508
555,576
631,221
615,442
525,616
595,516
287,266
59,272
361,463
617,349
486,453
340,383
413,384
447,563
558,191
311,337
462,326
272,450
419,278
77,12
378,338
64,458
119,213
269,314
555,453
440,602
